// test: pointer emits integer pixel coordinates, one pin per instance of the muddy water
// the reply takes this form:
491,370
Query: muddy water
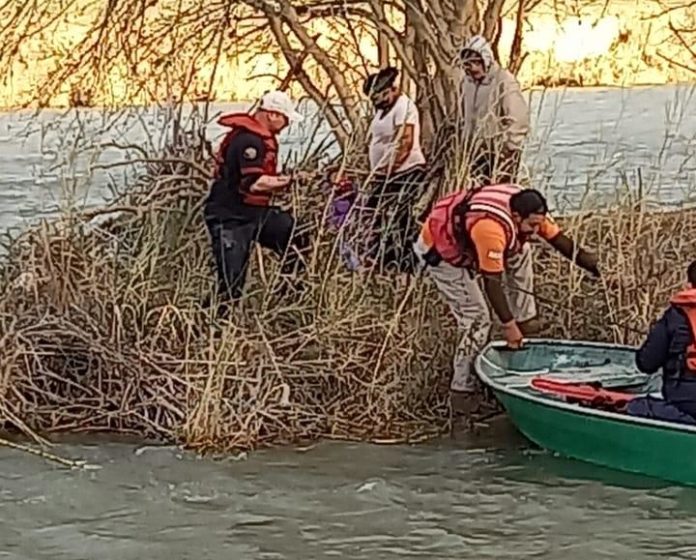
486,496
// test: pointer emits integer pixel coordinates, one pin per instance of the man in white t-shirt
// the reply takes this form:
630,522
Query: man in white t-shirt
398,168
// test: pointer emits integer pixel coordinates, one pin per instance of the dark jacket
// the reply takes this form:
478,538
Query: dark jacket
665,344
248,151
665,347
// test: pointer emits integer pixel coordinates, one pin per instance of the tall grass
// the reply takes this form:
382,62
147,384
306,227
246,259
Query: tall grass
102,329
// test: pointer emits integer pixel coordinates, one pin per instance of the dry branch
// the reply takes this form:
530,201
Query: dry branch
103,330
101,323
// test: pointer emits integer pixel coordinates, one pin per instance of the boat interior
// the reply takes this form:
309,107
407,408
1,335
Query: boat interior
568,371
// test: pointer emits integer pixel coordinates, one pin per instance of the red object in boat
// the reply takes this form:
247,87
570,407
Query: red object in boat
583,393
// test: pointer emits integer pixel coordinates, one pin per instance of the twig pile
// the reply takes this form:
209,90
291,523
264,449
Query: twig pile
102,329
101,326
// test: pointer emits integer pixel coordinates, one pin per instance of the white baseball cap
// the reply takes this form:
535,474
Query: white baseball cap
280,102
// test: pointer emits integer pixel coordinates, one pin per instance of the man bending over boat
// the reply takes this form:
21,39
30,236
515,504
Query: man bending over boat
671,345
486,231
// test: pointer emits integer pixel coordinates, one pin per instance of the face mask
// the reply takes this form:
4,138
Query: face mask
382,102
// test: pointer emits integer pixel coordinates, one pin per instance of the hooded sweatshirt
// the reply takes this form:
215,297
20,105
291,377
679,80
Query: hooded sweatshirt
495,114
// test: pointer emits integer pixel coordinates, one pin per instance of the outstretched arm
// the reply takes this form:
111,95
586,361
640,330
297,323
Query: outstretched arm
567,247
553,235
493,287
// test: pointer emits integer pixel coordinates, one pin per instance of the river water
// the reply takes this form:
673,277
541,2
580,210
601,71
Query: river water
487,495
483,496
584,142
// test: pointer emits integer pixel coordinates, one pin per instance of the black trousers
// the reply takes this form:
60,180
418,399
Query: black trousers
392,200
232,239
681,393
495,167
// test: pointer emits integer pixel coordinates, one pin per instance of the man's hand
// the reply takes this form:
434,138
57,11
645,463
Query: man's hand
267,183
513,335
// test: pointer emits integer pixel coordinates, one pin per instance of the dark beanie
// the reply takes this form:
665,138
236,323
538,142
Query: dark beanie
528,202
380,81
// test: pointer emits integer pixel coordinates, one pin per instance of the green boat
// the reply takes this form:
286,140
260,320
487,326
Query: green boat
578,429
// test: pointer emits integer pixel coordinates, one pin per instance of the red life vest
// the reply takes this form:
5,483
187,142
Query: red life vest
240,122
452,218
686,301
584,393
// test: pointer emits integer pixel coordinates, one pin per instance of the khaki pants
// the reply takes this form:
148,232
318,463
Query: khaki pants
461,290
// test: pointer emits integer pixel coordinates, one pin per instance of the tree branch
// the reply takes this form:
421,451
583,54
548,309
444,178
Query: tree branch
676,62
314,92
491,21
669,10
516,59
678,34
290,17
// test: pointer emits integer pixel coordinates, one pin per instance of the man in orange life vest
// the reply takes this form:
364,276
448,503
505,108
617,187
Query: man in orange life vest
671,345
238,210
486,230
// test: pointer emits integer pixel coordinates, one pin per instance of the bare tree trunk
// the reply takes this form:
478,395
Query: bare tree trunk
516,57
382,39
425,50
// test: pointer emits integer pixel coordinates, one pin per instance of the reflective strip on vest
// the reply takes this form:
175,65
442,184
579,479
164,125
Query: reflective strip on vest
495,200
499,213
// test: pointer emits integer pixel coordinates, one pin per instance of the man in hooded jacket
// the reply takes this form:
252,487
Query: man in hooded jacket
495,115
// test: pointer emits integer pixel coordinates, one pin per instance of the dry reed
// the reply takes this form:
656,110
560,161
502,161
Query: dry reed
101,327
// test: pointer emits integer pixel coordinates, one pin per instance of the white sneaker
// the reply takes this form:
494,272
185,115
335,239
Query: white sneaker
464,383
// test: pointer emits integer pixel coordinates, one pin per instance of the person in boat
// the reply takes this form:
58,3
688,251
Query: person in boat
238,208
671,346
495,115
397,167
485,232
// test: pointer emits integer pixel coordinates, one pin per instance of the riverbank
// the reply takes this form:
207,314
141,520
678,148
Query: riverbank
103,330
615,43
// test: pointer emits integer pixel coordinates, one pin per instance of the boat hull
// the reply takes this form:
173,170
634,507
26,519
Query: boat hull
610,440
613,439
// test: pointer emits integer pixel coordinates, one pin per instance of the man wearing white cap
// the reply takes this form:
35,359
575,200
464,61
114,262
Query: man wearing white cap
238,209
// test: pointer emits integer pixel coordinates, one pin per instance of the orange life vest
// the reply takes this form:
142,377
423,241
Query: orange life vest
452,218
240,122
686,301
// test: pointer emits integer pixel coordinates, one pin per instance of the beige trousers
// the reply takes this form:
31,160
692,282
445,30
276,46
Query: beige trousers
461,290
